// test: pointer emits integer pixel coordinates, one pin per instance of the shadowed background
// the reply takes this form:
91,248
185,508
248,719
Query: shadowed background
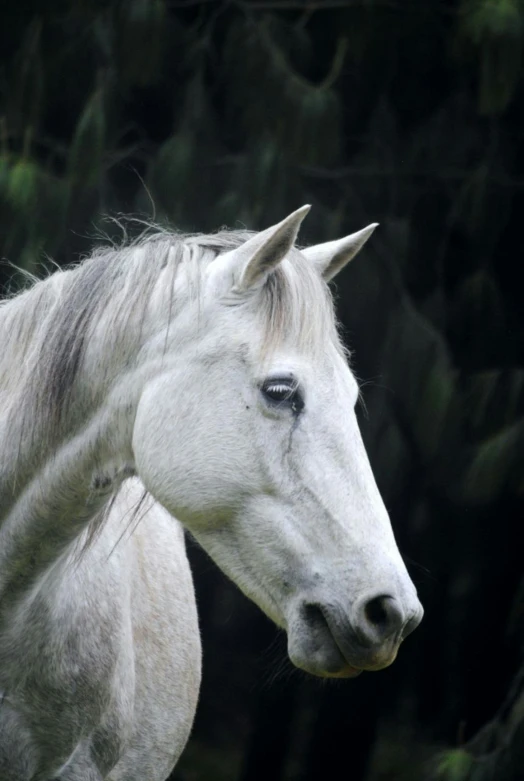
202,113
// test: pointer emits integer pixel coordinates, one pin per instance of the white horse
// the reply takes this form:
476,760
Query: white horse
207,372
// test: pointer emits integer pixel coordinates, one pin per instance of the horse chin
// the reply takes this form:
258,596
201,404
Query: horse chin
317,653
325,662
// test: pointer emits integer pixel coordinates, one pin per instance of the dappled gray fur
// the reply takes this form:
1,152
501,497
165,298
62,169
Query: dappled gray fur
76,684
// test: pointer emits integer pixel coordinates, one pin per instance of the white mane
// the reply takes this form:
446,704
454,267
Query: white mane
47,327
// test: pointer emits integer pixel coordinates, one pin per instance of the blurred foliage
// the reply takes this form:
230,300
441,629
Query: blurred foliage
201,114
455,766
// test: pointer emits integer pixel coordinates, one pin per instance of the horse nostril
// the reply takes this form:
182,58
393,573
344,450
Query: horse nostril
313,615
379,618
375,611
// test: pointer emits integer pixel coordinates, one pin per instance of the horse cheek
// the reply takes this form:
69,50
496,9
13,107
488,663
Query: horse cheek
193,463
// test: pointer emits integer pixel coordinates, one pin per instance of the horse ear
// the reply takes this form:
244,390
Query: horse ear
332,256
255,259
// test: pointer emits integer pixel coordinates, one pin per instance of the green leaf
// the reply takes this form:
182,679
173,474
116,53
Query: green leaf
492,400
482,19
383,436
496,465
22,185
435,395
419,370
260,171
142,41
27,83
477,320
86,154
4,173
496,28
302,117
52,209
500,72
455,765
171,171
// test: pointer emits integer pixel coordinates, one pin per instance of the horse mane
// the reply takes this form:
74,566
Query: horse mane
47,328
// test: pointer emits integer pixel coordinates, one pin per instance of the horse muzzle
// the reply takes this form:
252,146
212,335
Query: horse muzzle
328,641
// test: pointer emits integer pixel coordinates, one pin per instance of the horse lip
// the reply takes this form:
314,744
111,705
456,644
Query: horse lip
411,624
337,635
339,630
347,672
312,646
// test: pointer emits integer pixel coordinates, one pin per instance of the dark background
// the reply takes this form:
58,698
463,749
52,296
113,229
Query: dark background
208,113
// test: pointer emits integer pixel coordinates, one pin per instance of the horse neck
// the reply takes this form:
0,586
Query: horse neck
49,495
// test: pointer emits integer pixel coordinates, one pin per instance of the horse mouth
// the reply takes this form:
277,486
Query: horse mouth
322,661
313,648
317,646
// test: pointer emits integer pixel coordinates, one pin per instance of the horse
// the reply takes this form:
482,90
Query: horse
178,382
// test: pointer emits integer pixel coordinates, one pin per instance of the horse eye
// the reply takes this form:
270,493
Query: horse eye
283,391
